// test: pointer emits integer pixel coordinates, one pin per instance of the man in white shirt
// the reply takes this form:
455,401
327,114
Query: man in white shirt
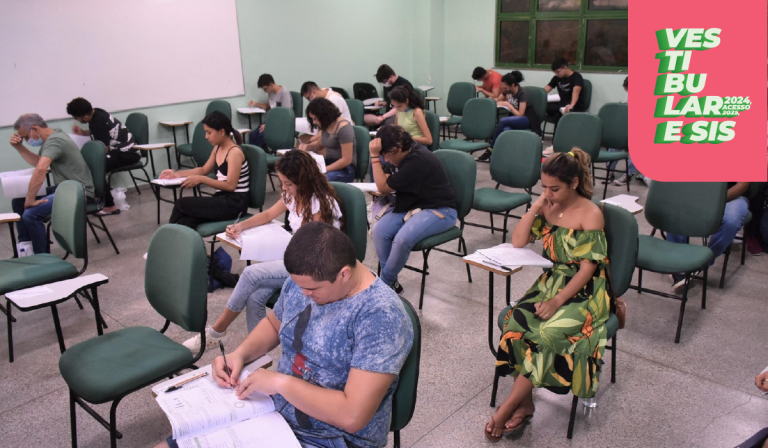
310,91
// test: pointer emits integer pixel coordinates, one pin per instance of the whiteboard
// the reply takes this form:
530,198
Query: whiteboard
118,54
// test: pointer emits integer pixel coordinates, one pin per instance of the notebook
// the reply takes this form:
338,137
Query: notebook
508,256
169,182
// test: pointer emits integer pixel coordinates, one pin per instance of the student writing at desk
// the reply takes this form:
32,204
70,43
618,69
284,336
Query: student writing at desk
491,80
344,337
386,76
232,178
57,152
277,96
118,140
337,140
569,86
307,196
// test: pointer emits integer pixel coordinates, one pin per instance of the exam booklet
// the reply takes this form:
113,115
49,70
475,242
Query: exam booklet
203,414
508,256
262,243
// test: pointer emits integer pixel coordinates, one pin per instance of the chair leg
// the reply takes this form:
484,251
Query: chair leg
133,178
574,403
210,268
113,434
98,241
397,439
495,389
744,238
57,324
682,308
492,231
72,418
106,230
424,271
79,304
639,281
10,320
614,351
704,290
506,218
271,182
469,273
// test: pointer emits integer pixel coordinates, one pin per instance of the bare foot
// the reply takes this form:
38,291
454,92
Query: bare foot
522,414
494,429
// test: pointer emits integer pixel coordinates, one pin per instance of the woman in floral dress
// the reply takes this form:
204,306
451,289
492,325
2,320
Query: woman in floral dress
555,336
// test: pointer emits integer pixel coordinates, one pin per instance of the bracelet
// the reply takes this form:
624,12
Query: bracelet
375,161
529,212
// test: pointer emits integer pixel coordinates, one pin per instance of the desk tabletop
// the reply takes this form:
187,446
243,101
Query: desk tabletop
372,107
244,131
52,292
175,123
228,241
9,217
251,110
426,88
153,146
488,268
432,98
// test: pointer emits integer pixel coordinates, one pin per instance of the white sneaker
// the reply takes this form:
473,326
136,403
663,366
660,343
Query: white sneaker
548,152
193,344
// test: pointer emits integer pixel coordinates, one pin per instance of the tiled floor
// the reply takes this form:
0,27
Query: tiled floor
697,393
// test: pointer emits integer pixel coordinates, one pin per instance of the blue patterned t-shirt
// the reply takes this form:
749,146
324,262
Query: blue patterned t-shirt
369,331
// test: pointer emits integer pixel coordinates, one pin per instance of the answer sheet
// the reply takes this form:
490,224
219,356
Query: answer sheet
268,430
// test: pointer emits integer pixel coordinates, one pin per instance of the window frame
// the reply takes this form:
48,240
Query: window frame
583,15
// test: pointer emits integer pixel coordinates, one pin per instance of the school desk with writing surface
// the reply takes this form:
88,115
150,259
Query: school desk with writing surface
504,272
249,111
11,218
173,125
149,147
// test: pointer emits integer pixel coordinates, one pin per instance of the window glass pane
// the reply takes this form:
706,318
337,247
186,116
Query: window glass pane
559,5
556,38
608,4
513,42
508,6
607,43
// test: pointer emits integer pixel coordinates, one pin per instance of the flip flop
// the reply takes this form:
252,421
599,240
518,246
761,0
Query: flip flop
523,419
491,437
505,431
103,213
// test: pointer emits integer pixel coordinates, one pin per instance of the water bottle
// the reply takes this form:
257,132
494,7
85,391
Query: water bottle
589,402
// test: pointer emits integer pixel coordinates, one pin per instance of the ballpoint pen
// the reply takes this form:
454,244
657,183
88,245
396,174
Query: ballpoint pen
178,385
226,366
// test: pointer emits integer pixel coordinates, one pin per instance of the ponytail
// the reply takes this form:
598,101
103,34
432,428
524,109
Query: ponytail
218,121
569,165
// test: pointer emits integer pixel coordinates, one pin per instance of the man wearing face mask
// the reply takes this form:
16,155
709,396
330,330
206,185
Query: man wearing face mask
385,75
57,152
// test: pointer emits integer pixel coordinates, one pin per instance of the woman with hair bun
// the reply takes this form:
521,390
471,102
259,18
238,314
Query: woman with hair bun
232,178
555,336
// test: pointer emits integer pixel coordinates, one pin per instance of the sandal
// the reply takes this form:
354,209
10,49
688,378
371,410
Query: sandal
505,431
489,435
103,213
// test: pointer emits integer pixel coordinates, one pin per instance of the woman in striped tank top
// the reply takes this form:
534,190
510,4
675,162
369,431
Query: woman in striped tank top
232,178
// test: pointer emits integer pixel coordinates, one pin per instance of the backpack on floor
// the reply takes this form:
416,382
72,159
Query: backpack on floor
220,271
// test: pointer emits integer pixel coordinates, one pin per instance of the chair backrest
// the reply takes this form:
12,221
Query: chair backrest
538,98
404,397
221,106
343,92
95,155
516,159
615,120
586,92
355,216
686,208
621,233
175,276
478,121
68,218
257,164
362,140
356,111
462,172
364,90
201,147
458,95
138,125
422,95
298,104
578,129
280,128
433,123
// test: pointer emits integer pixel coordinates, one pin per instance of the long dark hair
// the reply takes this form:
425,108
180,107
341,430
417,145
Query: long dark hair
302,170
569,165
218,121
325,111
403,94
394,137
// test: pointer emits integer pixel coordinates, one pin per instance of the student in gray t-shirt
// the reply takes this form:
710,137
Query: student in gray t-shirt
337,140
277,96
57,152
344,335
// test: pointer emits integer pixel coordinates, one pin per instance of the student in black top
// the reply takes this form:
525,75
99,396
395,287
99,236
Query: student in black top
570,85
425,205
116,138
232,178
385,75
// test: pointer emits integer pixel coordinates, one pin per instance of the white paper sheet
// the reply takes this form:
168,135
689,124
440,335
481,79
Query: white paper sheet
251,110
16,183
302,127
371,101
553,97
169,182
365,186
508,255
79,140
268,430
626,202
264,243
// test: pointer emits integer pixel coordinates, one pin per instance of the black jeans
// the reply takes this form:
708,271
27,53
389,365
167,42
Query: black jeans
117,159
193,211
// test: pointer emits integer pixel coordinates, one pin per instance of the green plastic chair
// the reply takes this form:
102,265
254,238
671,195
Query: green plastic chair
362,139
109,367
692,209
279,133
579,129
458,95
138,125
298,104
621,233
615,118
356,111
68,228
462,172
515,163
538,98
478,123
95,155
586,92
422,95
200,148
404,396
343,92
433,123
221,106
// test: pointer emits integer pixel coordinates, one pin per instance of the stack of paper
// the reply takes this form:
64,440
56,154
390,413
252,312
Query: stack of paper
169,182
553,97
251,110
16,183
509,257
371,101
626,202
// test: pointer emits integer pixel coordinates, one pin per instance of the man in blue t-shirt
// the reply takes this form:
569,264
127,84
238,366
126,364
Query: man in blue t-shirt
345,336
